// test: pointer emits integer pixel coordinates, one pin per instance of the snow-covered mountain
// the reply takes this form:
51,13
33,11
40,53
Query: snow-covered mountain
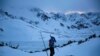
27,23
21,29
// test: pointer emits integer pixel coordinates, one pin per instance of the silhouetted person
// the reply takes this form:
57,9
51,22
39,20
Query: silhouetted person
52,45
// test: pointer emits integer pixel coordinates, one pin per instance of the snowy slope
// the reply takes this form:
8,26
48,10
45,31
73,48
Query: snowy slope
63,24
85,49
21,25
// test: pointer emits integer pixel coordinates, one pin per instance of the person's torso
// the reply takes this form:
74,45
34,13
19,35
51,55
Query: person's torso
51,43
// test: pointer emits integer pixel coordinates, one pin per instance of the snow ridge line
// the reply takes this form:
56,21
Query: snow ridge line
74,41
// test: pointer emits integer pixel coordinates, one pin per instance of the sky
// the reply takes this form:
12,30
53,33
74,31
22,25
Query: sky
58,5
67,5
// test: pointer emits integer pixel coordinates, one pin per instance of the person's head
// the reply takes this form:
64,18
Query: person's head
51,37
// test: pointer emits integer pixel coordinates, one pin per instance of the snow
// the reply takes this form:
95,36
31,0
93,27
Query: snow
23,31
85,49
17,30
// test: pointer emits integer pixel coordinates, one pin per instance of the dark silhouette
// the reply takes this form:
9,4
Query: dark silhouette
52,45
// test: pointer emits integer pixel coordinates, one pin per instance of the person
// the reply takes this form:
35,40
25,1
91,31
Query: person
52,45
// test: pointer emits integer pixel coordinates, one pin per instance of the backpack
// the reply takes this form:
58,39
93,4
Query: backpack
51,42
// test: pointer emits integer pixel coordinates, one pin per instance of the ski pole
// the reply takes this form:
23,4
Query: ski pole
43,43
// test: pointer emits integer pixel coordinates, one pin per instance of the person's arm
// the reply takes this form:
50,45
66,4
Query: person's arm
54,40
49,43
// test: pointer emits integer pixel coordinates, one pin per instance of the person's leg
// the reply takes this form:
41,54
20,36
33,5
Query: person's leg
51,51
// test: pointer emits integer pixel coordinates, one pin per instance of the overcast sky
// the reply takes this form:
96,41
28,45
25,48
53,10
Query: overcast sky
61,5
66,5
